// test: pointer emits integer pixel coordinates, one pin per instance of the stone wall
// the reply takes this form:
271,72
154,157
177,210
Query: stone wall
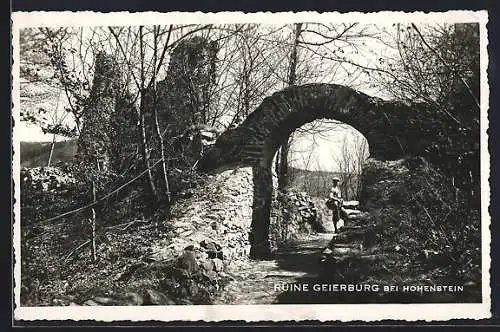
184,96
46,179
184,99
178,107
45,192
219,211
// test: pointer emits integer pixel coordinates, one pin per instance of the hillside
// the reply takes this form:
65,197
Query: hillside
36,154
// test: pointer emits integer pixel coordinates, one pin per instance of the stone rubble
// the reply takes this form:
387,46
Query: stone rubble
304,213
46,179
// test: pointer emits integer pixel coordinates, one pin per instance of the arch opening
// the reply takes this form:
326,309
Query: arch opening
321,150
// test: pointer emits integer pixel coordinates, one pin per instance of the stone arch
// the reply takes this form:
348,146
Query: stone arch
387,125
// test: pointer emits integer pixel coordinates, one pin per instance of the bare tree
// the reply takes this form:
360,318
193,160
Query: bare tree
349,163
56,126
251,70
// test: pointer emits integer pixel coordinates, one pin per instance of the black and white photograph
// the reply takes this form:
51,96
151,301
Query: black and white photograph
259,166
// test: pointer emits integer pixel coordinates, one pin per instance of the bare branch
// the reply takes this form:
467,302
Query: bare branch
130,67
469,90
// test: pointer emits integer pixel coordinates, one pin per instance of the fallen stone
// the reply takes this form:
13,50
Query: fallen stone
345,251
154,297
184,224
352,227
226,276
188,262
327,251
104,300
208,265
131,298
359,216
218,264
350,204
91,303
352,212
358,246
59,302
184,302
210,245
358,258
210,275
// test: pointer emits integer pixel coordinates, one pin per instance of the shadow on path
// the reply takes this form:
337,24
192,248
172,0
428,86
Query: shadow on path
297,276
332,283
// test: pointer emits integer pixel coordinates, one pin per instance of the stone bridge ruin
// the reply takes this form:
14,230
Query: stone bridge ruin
391,128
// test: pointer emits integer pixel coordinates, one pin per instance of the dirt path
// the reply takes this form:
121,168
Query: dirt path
260,282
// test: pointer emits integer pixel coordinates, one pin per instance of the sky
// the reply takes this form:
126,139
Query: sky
32,133
322,152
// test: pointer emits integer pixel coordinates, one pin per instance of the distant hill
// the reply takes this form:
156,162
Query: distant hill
318,183
36,154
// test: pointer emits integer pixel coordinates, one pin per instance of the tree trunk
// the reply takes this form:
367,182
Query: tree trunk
155,114
142,108
261,211
145,152
283,166
51,149
162,152
292,78
93,250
